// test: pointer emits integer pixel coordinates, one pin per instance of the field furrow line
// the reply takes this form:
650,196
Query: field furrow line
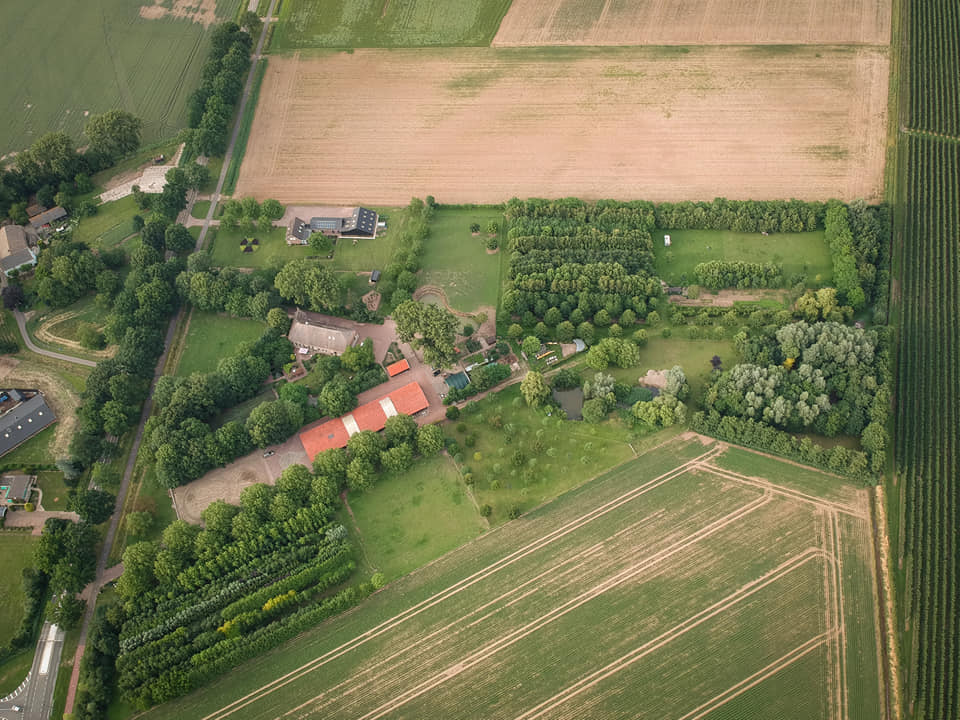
442,635
788,492
673,633
619,579
758,677
841,622
461,585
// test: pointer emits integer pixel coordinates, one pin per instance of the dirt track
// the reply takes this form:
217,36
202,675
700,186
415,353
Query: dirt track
482,125
694,22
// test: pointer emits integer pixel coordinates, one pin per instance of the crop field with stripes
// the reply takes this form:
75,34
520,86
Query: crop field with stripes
678,585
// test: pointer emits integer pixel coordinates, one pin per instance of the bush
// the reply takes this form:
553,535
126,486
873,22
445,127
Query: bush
453,412
514,512
486,510
29,507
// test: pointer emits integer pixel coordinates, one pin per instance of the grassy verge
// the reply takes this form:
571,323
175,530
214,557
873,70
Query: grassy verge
200,209
246,121
67,657
17,549
14,669
110,226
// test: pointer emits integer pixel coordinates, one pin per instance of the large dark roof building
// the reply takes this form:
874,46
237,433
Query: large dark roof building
25,413
359,223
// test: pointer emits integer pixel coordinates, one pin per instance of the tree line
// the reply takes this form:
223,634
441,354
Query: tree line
717,274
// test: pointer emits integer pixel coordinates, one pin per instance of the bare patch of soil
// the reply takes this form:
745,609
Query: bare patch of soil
727,298
199,11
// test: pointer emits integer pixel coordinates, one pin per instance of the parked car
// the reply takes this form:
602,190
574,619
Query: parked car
268,453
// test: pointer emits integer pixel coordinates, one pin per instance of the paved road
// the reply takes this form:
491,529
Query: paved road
37,697
21,323
215,197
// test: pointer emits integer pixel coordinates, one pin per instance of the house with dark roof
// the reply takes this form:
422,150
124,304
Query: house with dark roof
25,414
46,219
15,489
355,222
15,251
320,337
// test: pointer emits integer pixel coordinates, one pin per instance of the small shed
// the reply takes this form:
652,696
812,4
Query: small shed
666,241
374,277
398,367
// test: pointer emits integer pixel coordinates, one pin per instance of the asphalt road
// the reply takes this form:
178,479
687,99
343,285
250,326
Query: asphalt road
37,698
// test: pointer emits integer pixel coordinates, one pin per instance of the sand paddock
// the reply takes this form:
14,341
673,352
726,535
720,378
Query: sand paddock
695,22
482,125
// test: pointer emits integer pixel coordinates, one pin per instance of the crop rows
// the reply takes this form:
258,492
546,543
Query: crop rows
928,445
935,66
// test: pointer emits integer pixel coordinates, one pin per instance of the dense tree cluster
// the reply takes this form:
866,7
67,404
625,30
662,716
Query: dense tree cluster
35,583
823,377
398,279
247,215
782,216
179,435
859,237
717,274
97,669
210,107
66,271
570,259
308,284
226,289
430,327
667,408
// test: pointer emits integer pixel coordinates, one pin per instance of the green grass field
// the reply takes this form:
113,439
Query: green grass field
370,254
35,451
200,209
112,223
458,262
397,23
54,489
65,61
17,550
555,455
668,587
211,337
408,520
272,250
798,253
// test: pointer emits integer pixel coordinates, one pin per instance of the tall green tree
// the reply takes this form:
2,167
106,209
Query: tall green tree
430,327
534,389
114,133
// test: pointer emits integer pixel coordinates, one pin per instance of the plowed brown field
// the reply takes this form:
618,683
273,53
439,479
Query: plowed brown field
694,22
482,125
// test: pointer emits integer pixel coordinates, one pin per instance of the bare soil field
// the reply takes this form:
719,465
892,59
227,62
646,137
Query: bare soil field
478,125
694,22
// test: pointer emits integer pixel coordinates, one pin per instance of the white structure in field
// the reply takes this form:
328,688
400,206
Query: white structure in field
666,241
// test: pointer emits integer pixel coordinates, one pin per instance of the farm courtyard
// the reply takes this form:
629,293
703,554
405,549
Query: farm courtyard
477,125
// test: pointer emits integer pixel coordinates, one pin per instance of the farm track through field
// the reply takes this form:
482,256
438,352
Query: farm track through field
631,572
459,586
788,492
676,631
620,578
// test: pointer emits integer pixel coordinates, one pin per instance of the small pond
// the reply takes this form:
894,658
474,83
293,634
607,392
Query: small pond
571,401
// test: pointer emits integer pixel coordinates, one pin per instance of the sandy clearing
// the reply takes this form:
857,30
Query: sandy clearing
459,586
482,125
694,22
199,11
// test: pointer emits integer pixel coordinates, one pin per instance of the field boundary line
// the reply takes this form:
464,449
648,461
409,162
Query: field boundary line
461,585
612,668
841,622
822,503
610,583
758,677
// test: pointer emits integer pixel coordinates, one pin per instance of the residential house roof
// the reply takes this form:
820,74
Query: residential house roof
322,337
47,217
18,259
13,238
16,488
24,421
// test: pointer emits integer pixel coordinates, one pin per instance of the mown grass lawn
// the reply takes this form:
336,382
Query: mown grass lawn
399,23
799,253
407,520
272,249
200,209
35,451
17,550
211,337
112,223
54,489
457,261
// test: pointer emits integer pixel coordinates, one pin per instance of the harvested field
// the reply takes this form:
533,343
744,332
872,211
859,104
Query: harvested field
472,125
669,587
694,22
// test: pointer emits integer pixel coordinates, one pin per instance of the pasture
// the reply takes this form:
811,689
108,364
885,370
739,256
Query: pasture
17,549
407,520
66,61
477,125
213,336
695,22
272,249
671,586
395,23
457,261
798,253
